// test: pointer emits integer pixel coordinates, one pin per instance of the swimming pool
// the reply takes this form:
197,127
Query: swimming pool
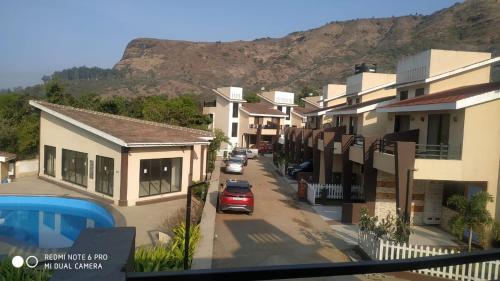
49,222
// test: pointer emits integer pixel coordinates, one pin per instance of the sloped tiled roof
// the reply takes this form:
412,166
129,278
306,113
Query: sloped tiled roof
300,110
261,109
124,130
448,96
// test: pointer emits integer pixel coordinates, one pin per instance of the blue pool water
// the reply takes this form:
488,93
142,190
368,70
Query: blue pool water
49,222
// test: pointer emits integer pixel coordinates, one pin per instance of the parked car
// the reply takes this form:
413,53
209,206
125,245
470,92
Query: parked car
236,196
240,153
252,153
264,148
234,165
306,166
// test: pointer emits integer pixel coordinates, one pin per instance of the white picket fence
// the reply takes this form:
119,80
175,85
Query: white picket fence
334,191
380,249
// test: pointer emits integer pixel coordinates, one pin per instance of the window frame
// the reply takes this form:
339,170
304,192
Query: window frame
234,130
236,110
70,174
45,160
403,93
110,177
149,164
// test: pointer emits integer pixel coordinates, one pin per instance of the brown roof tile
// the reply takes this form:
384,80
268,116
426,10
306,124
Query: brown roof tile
448,96
130,130
261,108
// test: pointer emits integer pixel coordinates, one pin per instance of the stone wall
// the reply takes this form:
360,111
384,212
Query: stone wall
386,195
386,198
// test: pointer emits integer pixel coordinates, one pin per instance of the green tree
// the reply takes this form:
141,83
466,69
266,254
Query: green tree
252,97
215,144
55,92
472,214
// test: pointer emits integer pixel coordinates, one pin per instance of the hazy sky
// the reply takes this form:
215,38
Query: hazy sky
39,37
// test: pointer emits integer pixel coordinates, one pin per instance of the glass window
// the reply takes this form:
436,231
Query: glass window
419,92
74,167
49,155
235,110
287,113
234,130
160,176
403,95
401,123
280,108
104,175
438,128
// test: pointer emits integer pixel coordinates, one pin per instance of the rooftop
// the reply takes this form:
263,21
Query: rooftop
451,98
360,107
322,111
261,109
313,100
300,110
125,131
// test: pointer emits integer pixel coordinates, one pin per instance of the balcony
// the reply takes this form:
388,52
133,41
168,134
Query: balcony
269,129
438,151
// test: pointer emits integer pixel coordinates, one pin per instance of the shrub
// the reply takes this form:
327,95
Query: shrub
9,272
391,228
167,257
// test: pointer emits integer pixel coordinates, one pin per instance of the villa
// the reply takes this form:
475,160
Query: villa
122,160
408,141
248,124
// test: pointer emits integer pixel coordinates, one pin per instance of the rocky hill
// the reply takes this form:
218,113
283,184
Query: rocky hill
314,57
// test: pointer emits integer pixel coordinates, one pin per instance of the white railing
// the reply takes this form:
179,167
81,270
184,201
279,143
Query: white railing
333,191
380,249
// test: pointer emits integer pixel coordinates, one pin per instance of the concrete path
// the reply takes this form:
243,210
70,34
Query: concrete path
280,231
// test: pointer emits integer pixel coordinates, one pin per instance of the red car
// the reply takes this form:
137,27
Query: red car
237,196
264,148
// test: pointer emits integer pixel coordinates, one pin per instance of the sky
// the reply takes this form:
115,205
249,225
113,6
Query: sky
40,37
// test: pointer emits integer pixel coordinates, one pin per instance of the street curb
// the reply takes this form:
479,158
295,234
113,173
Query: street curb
203,255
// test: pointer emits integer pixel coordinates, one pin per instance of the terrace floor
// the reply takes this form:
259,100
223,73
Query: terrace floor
146,218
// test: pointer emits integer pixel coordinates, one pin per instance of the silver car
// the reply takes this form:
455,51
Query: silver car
234,165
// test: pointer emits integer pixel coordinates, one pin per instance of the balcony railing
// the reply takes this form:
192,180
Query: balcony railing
261,126
210,103
385,146
438,151
359,140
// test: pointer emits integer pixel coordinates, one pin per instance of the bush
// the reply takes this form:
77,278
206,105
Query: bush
167,257
10,273
392,228
200,191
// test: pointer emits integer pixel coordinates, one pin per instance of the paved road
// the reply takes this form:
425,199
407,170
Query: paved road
280,231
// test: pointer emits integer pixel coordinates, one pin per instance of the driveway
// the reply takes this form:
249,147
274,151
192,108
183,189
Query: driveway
280,231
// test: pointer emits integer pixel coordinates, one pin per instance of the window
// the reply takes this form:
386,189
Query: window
353,125
438,129
160,176
403,95
280,108
338,121
235,110
74,167
49,155
104,174
287,113
349,101
358,100
234,130
419,92
258,120
401,123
